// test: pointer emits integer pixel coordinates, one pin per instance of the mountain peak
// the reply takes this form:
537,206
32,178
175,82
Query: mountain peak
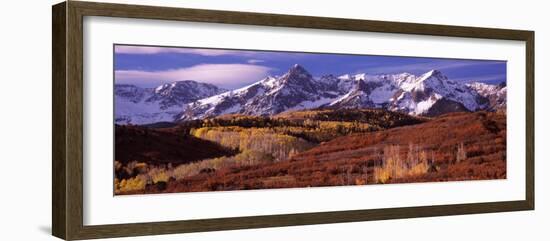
432,76
175,85
297,69
183,82
298,76
435,73
360,85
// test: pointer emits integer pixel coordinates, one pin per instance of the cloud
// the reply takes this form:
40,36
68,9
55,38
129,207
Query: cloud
255,61
126,49
223,75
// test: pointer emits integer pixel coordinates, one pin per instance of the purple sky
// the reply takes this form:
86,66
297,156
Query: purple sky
151,66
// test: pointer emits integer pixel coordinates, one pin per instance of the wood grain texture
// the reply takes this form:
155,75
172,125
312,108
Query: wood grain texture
155,228
59,193
530,120
67,78
74,121
263,19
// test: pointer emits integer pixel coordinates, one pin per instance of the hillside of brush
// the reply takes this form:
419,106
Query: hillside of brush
453,147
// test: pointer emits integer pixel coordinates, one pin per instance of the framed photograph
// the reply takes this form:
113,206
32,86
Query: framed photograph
171,120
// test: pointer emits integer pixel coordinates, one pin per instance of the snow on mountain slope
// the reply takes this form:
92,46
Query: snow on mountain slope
372,91
297,90
229,102
417,97
182,92
135,105
294,90
431,93
130,93
495,94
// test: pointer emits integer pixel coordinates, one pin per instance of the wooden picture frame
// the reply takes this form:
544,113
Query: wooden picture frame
67,76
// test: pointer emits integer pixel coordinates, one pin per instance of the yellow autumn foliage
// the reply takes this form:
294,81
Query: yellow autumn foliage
262,140
394,166
132,184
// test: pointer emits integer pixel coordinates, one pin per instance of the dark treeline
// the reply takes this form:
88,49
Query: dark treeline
381,118
312,125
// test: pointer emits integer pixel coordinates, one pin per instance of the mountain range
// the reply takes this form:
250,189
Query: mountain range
430,94
138,105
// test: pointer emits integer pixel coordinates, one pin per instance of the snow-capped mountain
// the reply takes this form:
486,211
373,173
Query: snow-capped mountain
419,96
296,89
495,94
146,105
373,91
182,92
429,94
